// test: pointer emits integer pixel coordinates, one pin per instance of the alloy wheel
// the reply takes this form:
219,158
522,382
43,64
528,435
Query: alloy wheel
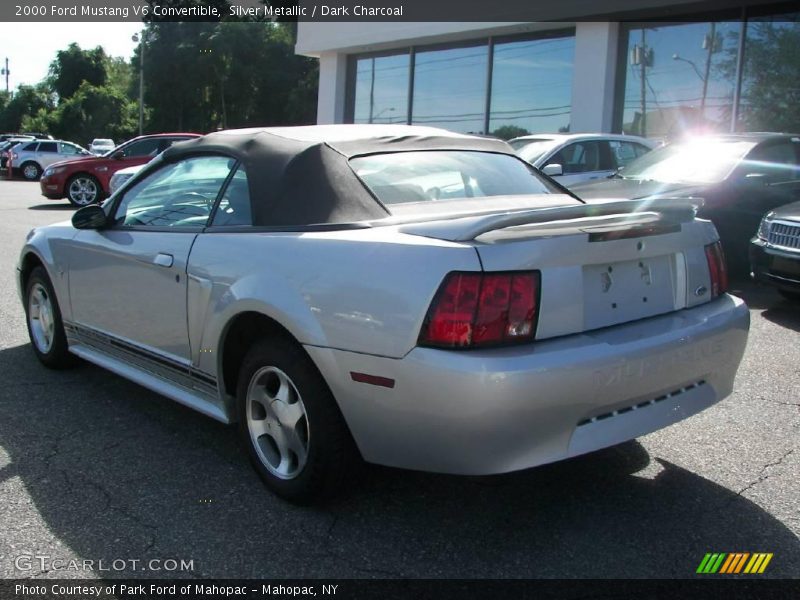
82,191
41,317
30,171
277,422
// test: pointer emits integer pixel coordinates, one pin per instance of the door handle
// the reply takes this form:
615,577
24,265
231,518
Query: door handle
163,260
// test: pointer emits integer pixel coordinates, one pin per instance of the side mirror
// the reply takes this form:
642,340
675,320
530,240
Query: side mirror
553,169
118,155
89,217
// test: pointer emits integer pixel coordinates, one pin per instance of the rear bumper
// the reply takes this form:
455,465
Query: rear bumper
780,268
501,410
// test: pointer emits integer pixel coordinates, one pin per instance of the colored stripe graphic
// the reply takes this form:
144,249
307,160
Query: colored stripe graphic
758,563
726,566
733,563
765,563
711,563
738,567
703,563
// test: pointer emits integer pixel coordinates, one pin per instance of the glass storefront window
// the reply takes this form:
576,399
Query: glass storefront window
531,86
381,89
680,78
450,88
770,98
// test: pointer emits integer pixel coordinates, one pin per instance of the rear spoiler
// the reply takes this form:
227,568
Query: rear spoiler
463,229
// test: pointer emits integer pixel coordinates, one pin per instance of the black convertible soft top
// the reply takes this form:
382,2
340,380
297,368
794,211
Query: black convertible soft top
301,176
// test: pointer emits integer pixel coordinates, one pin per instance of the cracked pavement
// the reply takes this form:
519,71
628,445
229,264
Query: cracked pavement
93,467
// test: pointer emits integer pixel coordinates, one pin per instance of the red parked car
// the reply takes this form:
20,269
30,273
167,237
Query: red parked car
85,181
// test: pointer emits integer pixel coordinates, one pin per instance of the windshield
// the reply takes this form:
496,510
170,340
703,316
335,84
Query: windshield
532,150
402,177
695,161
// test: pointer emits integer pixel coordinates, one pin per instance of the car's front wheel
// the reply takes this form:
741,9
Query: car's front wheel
45,327
31,171
83,190
290,424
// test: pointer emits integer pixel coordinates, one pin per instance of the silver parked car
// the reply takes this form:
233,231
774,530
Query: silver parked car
33,158
404,295
101,146
121,176
574,158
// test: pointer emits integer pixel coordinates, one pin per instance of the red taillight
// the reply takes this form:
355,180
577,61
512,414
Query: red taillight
717,269
481,309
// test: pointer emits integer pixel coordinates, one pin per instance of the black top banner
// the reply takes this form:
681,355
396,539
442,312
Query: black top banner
363,10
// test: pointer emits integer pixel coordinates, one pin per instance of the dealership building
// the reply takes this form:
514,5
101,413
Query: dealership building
648,67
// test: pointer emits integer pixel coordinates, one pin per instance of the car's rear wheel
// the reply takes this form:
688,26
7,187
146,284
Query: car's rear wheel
31,171
83,190
290,424
45,327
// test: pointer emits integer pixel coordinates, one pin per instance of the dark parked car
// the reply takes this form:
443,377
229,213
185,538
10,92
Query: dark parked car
775,250
739,176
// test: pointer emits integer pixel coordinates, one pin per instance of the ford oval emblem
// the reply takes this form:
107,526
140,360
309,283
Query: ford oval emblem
701,291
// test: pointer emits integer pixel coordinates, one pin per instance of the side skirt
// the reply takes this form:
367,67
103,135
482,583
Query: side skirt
175,381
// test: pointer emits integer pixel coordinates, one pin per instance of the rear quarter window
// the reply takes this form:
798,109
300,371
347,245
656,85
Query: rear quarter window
441,175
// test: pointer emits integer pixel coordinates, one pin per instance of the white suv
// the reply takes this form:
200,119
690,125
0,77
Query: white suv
34,157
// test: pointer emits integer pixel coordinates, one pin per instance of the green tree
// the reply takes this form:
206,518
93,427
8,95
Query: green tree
507,132
92,111
73,66
231,74
770,93
28,100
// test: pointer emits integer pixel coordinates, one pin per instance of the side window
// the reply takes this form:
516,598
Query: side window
29,147
234,206
69,149
142,148
48,147
180,194
580,157
778,161
625,152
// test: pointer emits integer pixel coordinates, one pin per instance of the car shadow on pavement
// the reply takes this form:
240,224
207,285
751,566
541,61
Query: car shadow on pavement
95,467
52,206
773,306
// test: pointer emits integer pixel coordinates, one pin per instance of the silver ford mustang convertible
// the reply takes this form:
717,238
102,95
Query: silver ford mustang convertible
402,295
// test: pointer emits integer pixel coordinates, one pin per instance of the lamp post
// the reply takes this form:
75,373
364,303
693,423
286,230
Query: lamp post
136,39
700,75
710,45
376,117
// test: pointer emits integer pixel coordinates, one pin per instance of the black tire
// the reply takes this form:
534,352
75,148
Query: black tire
331,456
83,189
57,355
30,171
790,296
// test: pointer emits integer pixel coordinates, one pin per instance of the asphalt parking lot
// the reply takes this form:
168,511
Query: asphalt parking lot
93,467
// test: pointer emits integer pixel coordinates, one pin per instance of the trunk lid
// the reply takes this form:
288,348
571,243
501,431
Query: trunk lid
600,264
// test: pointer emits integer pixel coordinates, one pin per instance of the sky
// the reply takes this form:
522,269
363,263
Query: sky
31,47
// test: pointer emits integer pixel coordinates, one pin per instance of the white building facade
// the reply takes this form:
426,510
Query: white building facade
706,68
